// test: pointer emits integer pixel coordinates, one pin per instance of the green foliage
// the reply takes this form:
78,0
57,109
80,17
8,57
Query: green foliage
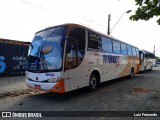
146,10
157,59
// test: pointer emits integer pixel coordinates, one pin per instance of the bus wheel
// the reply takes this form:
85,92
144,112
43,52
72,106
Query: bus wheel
145,69
93,82
132,73
151,68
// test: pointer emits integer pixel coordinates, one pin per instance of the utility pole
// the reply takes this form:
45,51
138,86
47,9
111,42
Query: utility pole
109,19
154,49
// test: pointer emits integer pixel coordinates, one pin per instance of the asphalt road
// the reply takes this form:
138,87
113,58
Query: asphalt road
141,93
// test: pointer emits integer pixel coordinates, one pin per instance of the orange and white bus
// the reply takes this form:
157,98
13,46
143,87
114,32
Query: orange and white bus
71,56
147,60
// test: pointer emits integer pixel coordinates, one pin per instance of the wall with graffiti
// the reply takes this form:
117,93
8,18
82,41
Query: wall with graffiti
13,58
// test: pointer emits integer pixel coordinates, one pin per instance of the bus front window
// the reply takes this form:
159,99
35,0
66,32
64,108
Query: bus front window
46,51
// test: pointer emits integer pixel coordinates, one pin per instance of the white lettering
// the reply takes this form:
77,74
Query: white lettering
137,114
34,115
19,114
149,114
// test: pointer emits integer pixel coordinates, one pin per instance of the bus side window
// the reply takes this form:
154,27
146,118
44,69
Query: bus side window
129,50
137,52
94,41
123,49
134,51
116,47
106,44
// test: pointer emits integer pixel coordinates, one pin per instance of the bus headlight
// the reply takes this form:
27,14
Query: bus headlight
53,80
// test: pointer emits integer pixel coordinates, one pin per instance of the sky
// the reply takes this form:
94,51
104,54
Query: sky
20,19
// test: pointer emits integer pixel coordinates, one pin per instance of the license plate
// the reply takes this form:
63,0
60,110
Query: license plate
37,86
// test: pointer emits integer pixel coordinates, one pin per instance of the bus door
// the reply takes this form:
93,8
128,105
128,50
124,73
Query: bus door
142,61
75,51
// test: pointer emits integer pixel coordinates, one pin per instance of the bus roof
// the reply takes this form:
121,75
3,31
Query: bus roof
86,27
143,50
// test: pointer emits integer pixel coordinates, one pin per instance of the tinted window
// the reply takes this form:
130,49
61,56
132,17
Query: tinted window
152,55
116,47
106,44
134,51
75,48
137,51
123,48
129,50
94,40
149,55
146,54
79,35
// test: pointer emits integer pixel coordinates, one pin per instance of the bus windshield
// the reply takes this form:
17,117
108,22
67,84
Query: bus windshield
46,50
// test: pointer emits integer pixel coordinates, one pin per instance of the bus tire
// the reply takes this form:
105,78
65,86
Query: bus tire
145,69
132,73
151,68
93,82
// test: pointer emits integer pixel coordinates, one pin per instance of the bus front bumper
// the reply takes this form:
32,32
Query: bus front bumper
57,87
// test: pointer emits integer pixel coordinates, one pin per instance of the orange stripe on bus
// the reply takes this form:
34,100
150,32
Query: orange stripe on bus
128,67
123,73
59,84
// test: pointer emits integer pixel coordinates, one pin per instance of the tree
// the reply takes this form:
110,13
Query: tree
146,10
157,59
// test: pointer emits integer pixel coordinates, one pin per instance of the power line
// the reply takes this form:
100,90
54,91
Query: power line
157,49
43,8
31,4
37,6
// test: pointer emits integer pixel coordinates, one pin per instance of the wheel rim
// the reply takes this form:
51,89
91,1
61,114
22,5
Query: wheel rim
93,83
